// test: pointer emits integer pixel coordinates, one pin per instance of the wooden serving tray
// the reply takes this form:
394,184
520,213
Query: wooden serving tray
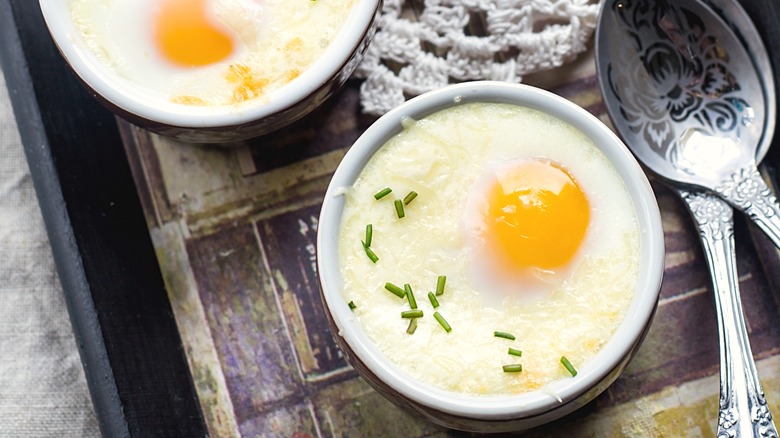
188,272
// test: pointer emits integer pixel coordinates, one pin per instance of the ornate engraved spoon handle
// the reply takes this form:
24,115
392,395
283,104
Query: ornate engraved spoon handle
746,190
743,408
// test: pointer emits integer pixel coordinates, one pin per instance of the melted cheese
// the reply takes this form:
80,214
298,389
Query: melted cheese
442,158
276,40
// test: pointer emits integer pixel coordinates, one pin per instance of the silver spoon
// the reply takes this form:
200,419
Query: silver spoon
698,110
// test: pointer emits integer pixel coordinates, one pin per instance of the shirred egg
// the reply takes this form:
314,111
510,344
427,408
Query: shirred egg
208,52
529,222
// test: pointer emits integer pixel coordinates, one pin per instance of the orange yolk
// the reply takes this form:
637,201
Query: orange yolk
537,216
186,35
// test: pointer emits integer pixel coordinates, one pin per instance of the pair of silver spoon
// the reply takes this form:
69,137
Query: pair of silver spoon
689,86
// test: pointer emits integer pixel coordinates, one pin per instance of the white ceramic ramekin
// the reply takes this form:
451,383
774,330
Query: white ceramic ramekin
492,413
217,124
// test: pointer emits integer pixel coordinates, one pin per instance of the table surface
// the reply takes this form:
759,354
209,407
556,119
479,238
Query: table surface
43,392
230,232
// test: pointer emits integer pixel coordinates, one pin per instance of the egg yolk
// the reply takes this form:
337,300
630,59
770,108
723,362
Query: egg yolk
537,216
187,36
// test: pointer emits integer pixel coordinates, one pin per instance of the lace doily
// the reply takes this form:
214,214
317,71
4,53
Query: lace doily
421,45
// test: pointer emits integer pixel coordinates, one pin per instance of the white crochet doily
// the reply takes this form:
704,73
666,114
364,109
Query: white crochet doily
421,45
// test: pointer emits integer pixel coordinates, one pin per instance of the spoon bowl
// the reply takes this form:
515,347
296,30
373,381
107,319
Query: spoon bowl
683,84
679,80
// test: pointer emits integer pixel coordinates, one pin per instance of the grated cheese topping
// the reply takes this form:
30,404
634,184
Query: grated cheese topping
275,41
442,158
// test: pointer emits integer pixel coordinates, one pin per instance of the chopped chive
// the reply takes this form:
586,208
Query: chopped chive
504,335
442,321
369,252
410,197
412,326
416,313
382,193
440,282
569,366
515,352
410,296
400,293
352,305
399,209
369,234
434,301
513,368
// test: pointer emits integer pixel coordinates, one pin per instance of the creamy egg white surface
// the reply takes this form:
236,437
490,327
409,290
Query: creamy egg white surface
267,43
571,310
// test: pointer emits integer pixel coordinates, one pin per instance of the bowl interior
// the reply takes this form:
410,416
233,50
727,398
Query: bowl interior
138,101
627,335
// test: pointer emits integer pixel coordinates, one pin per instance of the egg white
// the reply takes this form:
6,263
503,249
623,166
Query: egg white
444,158
533,283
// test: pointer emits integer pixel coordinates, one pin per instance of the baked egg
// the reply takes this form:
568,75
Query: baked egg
209,52
489,249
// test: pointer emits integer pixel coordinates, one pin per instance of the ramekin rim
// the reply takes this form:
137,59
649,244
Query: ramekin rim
627,335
